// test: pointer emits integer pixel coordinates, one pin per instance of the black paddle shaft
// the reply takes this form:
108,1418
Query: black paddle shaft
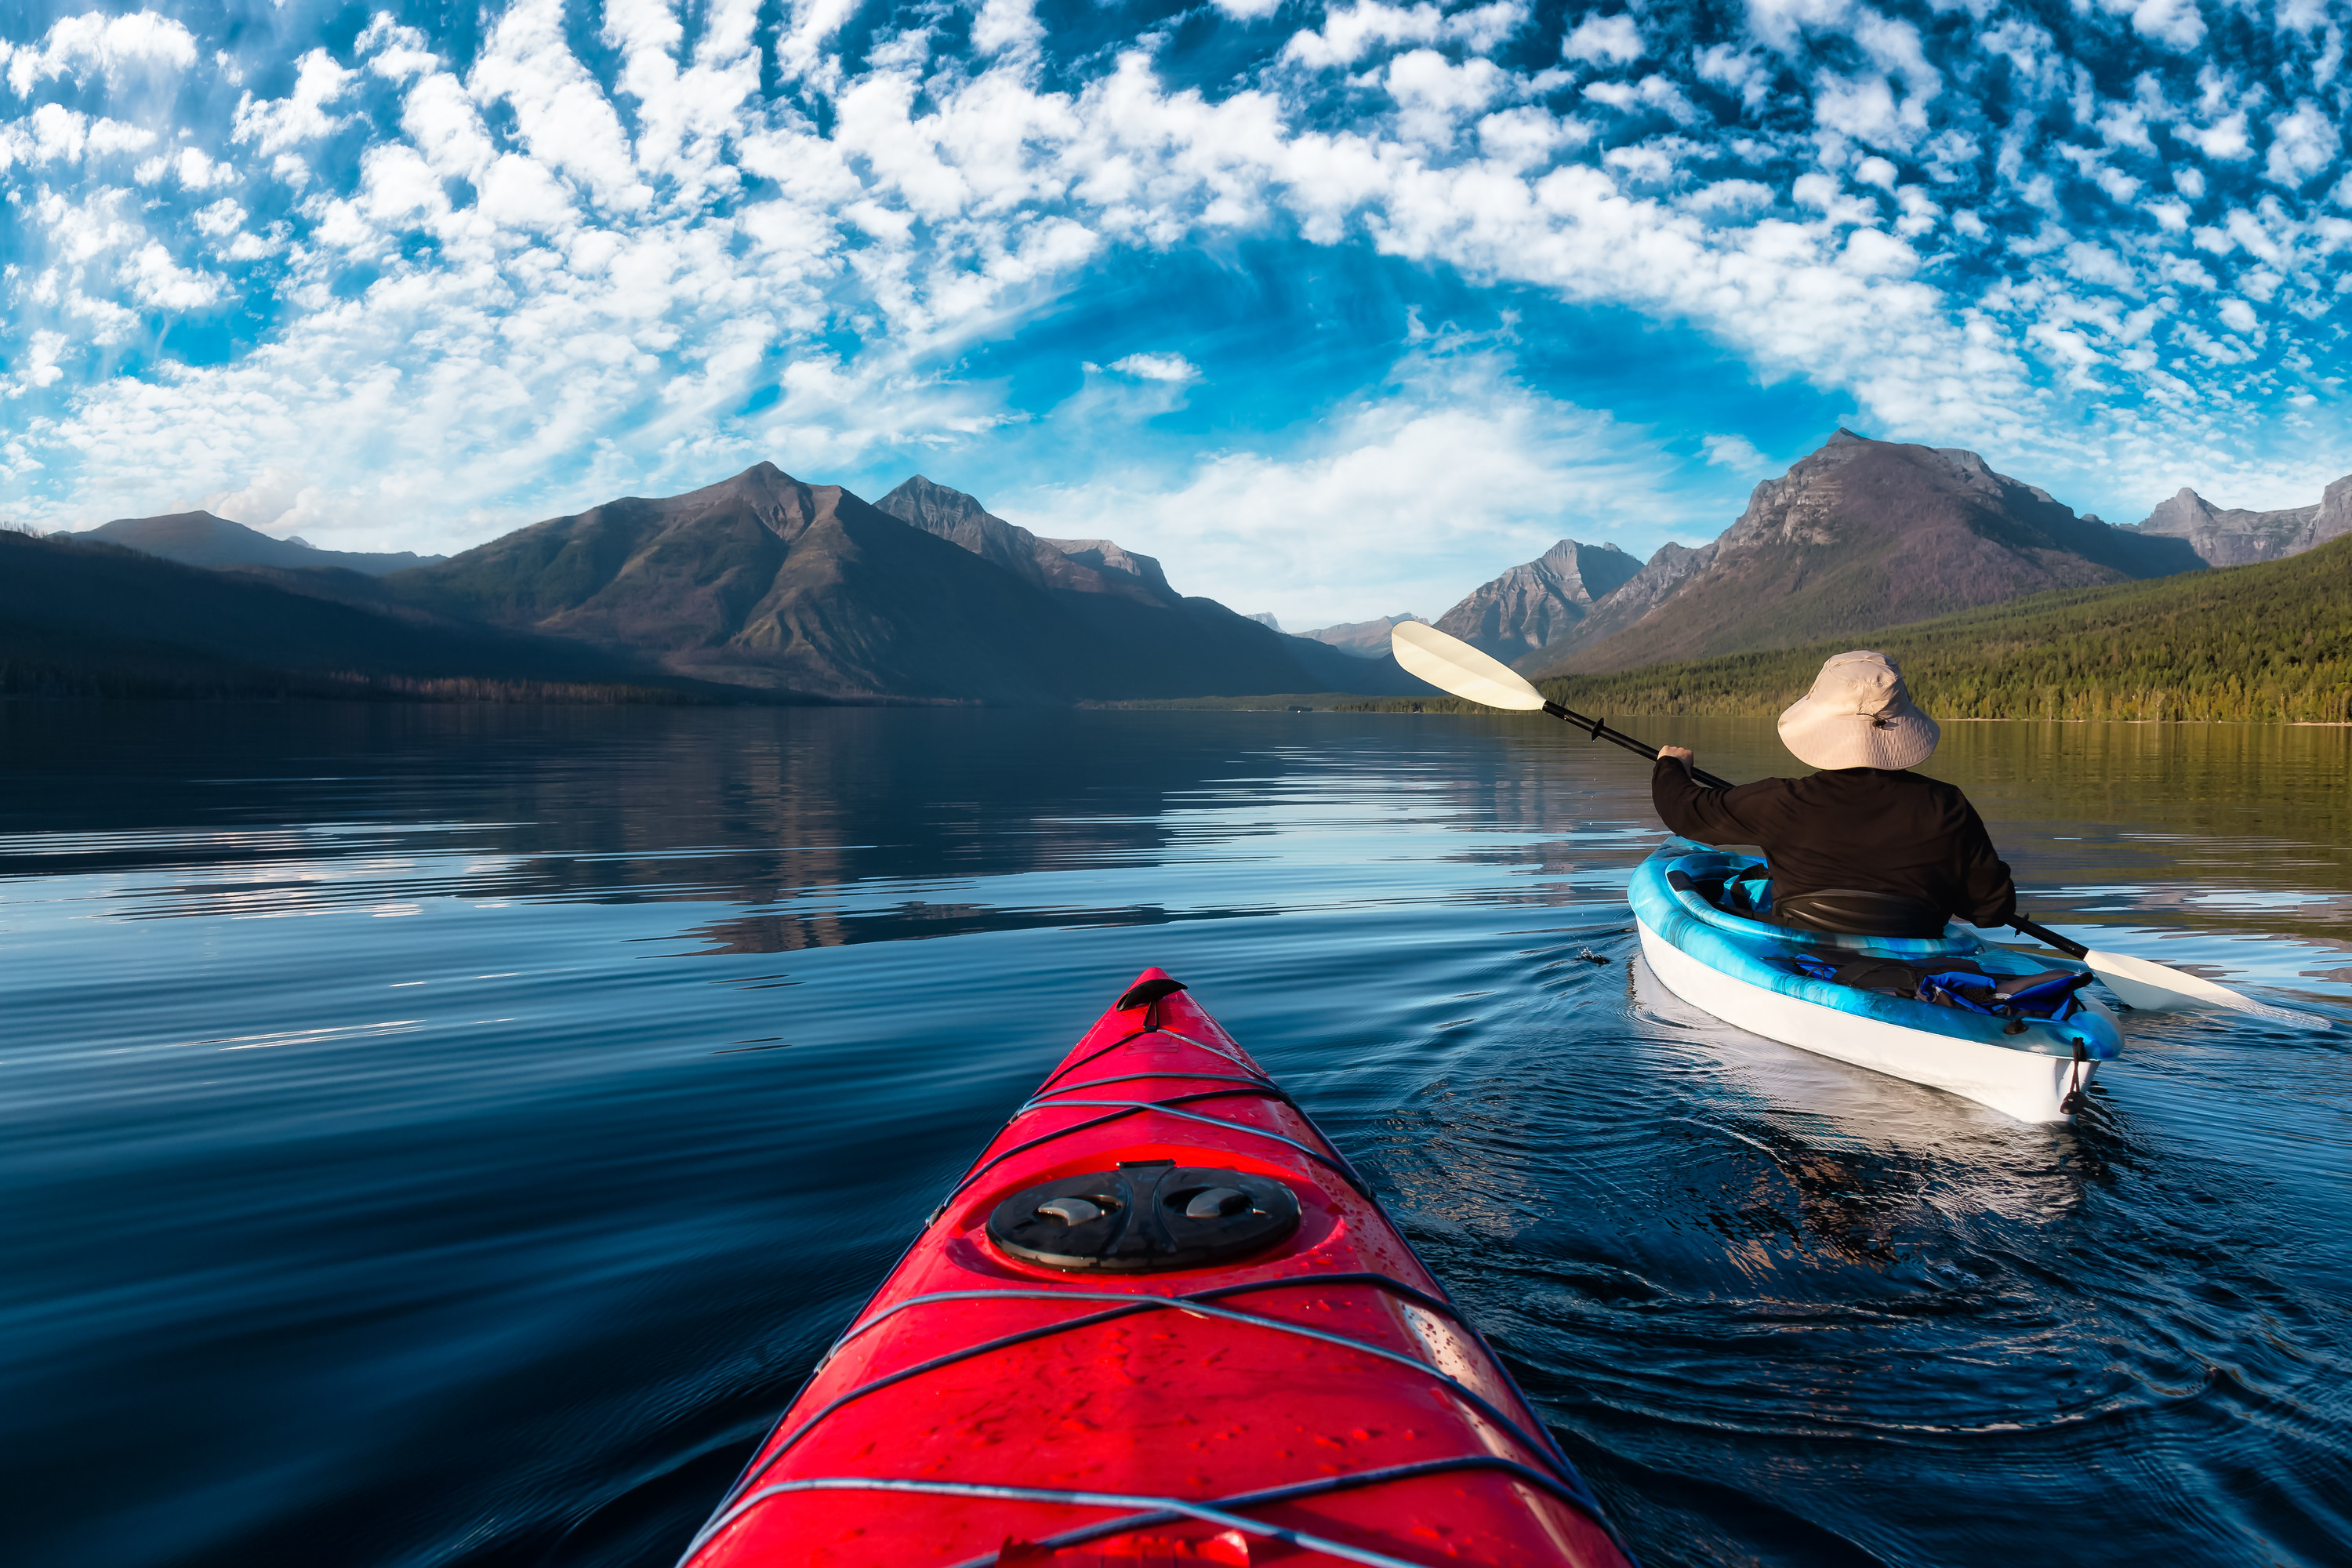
1600,731
2044,935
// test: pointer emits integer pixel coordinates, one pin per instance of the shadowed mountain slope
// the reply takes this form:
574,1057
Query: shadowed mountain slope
79,618
762,580
2267,641
200,539
1172,644
962,521
1861,534
1531,607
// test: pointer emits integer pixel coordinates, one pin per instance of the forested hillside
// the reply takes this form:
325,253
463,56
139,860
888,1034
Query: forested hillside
2270,641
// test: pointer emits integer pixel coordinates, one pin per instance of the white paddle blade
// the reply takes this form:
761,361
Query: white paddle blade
2159,988
1452,665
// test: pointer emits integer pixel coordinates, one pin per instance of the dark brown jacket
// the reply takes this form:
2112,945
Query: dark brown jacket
1879,831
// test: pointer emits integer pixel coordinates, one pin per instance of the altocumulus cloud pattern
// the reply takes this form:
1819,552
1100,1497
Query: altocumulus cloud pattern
413,276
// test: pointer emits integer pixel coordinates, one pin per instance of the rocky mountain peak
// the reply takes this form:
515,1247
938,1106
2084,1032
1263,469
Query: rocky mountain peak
2236,537
1365,639
1537,604
1856,535
1077,566
1109,555
2334,519
921,501
780,503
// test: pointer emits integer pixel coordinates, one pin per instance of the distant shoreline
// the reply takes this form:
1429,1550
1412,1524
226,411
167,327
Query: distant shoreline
1293,702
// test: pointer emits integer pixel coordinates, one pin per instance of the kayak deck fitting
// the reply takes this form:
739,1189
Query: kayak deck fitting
1745,971
1161,1320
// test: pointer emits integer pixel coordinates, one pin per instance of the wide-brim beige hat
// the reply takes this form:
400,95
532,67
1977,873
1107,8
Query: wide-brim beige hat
1858,715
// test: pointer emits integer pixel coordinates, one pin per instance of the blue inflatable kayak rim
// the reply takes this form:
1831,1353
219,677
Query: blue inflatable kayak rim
1756,953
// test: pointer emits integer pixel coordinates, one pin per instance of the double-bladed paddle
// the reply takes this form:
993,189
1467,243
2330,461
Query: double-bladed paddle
1452,664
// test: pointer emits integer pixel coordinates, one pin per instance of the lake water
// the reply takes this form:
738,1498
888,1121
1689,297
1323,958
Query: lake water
447,1135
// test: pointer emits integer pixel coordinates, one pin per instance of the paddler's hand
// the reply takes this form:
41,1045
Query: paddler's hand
1681,754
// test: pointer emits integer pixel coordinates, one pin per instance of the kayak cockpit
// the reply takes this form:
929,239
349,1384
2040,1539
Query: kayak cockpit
1807,988
1722,888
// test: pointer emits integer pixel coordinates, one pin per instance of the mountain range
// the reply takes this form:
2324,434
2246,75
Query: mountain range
2265,642
2237,537
766,586
200,539
1365,639
84,619
1857,536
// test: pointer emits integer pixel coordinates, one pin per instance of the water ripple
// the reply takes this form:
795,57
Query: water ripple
452,1134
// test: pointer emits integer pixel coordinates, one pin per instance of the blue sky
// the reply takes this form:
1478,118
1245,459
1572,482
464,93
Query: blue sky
1338,309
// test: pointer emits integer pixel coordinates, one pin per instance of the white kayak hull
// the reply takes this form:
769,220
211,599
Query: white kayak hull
2022,1084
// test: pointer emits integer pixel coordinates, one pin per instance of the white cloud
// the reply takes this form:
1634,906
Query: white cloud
1435,98
1522,138
155,279
1350,524
1349,33
39,366
1743,73
1920,213
2096,264
1781,22
1869,109
2304,143
1802,298
1651,92
222,217
632,254
2225,139
1736,453
198,172
2175,24
1168,367
800,52
277,125
1736,198
1597,40
1007,26
566,121
2119,186
110,45
264,500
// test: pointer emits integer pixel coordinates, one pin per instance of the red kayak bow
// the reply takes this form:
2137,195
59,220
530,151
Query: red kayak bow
1161,1321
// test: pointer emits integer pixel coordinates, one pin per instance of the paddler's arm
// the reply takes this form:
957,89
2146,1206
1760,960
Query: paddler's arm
1985,881
1709,816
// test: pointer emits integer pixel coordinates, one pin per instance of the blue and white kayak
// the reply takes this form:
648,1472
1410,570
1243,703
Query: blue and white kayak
1752,973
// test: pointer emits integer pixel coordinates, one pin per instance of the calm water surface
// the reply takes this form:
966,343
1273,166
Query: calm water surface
448,1135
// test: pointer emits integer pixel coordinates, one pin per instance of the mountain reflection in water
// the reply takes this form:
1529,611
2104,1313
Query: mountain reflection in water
448,1135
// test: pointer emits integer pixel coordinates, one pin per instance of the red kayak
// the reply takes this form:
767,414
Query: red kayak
1161,1321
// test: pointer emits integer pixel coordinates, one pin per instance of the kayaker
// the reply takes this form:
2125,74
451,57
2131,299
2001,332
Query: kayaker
1863,846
